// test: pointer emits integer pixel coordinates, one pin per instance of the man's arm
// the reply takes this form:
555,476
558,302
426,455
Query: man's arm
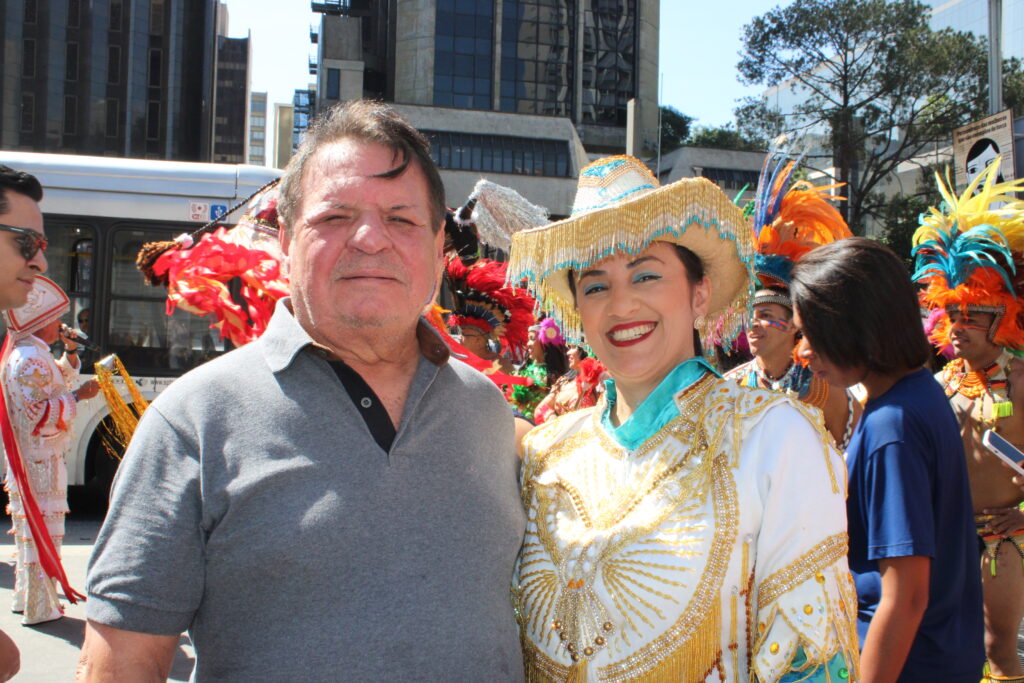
905,582
10,658
111,654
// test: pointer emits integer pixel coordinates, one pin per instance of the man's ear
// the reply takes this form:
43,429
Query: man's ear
284,238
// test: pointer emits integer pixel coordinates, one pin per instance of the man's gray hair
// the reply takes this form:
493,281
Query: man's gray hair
368,122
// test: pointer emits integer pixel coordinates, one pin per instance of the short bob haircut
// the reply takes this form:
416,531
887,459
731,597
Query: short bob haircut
858,307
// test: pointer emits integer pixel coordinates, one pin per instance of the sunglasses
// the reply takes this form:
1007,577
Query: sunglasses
29,241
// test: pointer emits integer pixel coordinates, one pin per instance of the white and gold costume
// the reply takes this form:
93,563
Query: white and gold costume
716,551
41,408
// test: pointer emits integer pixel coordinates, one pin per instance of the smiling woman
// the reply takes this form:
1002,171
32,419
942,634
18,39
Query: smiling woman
681,510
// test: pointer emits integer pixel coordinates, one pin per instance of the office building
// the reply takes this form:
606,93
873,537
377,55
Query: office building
522,91
284,115
127,78
231,95
258,129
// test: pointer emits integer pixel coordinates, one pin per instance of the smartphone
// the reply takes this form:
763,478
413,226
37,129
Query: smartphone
1004,450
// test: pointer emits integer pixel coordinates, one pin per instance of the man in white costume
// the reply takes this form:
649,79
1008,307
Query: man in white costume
41,406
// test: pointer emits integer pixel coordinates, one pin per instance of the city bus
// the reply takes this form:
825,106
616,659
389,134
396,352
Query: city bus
98,212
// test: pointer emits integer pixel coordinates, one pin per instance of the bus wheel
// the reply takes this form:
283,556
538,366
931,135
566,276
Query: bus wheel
100,465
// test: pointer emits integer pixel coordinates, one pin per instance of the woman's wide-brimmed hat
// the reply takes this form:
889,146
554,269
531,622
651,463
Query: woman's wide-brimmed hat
621,208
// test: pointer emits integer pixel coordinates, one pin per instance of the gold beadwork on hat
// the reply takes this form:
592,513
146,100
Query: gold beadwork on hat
620,208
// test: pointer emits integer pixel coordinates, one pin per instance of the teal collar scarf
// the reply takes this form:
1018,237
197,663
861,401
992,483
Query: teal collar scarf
658,409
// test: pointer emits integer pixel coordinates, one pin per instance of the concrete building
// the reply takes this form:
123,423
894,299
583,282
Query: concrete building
972,16
284,115
258,129
543,84
231,94
129,78
731,170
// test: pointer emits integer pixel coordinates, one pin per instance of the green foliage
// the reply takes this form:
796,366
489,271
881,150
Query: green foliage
1013,85
900,216
876,87
724,137
675,128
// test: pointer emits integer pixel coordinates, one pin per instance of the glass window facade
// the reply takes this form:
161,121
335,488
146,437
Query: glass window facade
28,112
464,54
333,83
153,120
609,60
537,56
114,64
499,154
731,178
70,114
115,15
28,60
113,117
71,62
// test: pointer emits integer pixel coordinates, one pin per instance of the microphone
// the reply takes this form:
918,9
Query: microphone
78,337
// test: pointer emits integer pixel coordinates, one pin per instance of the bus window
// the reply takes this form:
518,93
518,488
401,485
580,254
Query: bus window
71,265
139,330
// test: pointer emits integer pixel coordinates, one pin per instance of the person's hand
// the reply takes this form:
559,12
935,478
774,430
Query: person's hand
1004,520
87,390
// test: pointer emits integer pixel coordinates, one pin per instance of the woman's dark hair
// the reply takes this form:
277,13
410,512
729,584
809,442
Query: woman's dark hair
694,274
556,362
858,308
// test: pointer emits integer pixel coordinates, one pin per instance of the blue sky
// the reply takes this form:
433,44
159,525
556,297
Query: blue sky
699,47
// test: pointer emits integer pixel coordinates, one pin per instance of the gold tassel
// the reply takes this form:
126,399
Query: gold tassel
578,673
124,416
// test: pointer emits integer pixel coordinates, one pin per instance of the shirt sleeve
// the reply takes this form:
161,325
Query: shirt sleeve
805,604
146,573
896,495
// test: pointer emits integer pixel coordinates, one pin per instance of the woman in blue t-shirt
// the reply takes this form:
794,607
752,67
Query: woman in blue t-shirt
913,552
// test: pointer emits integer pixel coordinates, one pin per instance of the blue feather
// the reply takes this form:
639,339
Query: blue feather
955,256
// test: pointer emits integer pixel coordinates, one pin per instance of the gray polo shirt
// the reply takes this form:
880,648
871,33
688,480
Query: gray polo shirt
255,510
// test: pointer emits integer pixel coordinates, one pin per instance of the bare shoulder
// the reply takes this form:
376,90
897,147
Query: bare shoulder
1015,374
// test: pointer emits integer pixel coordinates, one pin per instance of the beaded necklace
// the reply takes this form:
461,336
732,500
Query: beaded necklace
779,384
976,384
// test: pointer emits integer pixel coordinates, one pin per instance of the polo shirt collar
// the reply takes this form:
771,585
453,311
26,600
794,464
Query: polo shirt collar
284,338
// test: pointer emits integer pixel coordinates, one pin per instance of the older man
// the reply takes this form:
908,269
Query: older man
310,507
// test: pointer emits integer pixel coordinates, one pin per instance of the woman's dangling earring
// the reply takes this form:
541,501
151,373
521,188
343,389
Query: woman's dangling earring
699,322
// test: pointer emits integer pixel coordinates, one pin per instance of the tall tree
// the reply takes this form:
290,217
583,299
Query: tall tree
675,128
876,87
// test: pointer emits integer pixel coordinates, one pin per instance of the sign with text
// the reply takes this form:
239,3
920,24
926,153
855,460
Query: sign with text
977,144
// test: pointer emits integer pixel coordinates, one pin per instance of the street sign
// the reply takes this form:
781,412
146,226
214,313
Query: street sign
977,144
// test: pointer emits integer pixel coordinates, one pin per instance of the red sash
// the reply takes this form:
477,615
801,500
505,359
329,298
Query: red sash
49,558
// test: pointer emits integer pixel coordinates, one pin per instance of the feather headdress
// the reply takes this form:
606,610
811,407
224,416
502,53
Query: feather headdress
969,254
789,220
483,301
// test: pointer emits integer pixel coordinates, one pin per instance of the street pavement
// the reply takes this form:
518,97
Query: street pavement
49,652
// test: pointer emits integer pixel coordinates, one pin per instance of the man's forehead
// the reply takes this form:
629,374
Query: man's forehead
22,211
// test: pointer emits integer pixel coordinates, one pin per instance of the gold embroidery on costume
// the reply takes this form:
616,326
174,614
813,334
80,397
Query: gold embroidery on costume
622,574
805,567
